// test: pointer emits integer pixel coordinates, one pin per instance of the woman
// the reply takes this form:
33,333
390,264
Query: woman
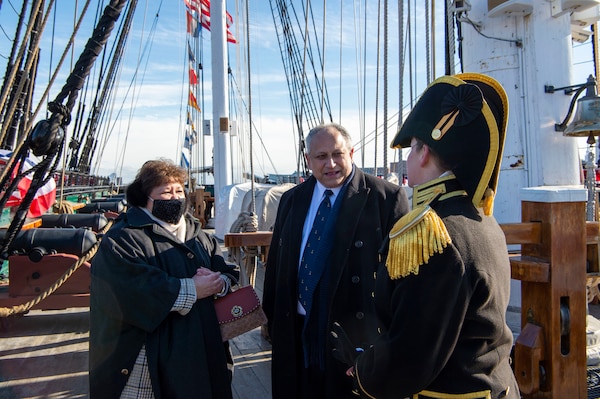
153,327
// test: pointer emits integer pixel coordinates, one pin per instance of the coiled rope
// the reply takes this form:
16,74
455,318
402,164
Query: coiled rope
24,308
245,257
63,207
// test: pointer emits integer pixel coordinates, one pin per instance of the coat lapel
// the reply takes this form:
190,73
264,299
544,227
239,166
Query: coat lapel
355,200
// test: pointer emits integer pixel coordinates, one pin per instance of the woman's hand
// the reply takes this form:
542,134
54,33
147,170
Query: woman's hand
207,283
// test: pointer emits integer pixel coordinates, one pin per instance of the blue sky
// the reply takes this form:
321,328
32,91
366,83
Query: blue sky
155,130
151,123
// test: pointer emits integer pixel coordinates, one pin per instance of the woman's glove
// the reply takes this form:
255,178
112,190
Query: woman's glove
343,349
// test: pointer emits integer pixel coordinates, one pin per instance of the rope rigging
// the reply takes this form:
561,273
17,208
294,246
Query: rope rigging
305,101
82,161
47,138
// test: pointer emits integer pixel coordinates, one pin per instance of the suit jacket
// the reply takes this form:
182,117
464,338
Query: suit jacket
369,209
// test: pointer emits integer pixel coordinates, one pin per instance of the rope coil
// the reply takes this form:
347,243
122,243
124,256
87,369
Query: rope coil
247,222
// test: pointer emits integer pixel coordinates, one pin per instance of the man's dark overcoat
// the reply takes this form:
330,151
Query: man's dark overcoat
369,209
135,280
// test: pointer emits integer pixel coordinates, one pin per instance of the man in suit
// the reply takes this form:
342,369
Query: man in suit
333,280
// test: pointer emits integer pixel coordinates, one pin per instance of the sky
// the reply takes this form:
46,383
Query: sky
158,110
153,115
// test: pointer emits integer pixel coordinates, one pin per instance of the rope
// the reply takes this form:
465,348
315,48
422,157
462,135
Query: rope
10,79
42,173
63,207
23,308
246,222
61,117
92,48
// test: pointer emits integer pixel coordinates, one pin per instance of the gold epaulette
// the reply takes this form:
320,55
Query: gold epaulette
414,239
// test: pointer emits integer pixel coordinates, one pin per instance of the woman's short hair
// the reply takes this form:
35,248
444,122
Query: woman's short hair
153,174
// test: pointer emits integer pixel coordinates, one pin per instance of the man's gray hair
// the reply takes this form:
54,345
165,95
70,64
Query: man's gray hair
325,126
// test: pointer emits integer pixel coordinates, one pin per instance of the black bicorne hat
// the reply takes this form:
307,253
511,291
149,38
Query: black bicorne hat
463,118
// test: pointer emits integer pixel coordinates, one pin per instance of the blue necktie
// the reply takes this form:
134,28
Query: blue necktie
308,277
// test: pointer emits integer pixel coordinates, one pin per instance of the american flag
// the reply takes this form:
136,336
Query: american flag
203,7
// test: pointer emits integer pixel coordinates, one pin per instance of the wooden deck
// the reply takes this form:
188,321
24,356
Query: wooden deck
44,354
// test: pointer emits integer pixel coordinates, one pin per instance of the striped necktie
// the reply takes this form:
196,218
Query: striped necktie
307,276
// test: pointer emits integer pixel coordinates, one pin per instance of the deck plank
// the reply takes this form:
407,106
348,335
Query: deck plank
44,354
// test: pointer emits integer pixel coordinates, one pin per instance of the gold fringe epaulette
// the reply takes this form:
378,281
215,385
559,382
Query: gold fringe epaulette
414,239
487,202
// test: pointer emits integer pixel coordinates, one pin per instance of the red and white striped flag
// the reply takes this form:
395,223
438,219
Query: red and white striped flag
203,7
44,197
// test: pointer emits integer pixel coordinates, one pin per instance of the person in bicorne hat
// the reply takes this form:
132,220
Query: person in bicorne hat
442,289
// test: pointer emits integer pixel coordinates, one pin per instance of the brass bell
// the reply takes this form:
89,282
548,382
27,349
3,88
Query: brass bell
586,121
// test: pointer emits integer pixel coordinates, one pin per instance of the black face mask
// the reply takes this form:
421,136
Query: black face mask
169,211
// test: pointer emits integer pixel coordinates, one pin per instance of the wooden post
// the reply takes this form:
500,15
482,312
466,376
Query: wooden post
554,301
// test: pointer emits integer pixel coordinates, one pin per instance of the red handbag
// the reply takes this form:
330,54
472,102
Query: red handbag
238,312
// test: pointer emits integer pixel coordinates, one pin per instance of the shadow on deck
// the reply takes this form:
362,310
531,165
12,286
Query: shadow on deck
44,354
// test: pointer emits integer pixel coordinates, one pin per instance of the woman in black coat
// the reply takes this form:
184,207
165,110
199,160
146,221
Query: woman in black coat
153,327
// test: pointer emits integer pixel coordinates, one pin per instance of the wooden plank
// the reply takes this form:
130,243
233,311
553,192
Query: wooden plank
531,232
45,355
522,233
29,224
251,239
592,231
52,302
76,205
252,373
527,268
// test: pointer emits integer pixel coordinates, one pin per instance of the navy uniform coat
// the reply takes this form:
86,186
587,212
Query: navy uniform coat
369,209
135,280
444,329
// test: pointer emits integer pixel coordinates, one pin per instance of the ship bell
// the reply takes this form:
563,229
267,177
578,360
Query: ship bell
586,121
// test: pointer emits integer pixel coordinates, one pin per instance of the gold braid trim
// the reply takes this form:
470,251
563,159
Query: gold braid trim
414,239
487,394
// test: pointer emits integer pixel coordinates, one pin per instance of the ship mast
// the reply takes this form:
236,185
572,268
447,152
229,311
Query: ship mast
222,156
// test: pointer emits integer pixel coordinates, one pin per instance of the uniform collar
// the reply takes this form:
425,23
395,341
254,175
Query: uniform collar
444,187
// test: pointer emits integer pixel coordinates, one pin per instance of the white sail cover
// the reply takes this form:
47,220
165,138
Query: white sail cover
237,198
